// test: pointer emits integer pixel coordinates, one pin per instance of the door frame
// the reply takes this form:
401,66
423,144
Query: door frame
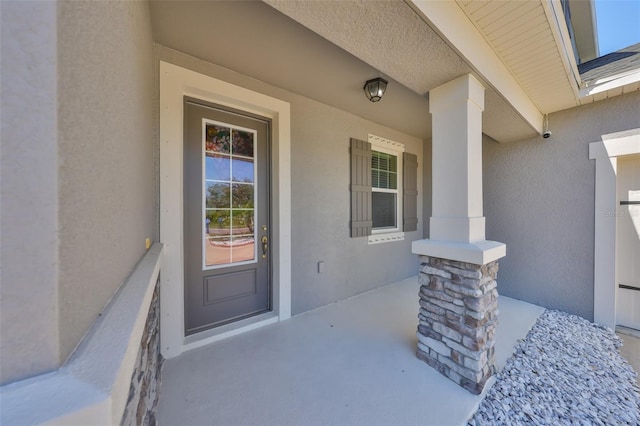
606,153
176,83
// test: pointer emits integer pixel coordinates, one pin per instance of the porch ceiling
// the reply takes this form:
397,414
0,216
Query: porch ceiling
254,39
395,39
324,56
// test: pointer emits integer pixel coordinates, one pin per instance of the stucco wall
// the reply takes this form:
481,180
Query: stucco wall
320,196
105,154
28,288
539,200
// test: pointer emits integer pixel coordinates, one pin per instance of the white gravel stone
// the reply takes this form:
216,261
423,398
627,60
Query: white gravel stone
567,371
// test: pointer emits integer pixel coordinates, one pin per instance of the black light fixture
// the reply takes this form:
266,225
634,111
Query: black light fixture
375,88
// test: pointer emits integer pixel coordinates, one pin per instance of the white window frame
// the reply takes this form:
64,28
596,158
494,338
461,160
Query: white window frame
387,146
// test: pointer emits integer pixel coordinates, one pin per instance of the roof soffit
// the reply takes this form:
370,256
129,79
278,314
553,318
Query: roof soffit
389,36
531,40
397,40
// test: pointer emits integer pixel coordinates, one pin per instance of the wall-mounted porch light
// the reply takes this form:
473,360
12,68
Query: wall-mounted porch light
375,88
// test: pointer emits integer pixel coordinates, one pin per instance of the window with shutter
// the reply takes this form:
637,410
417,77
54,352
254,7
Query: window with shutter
410,192
360,188
383,190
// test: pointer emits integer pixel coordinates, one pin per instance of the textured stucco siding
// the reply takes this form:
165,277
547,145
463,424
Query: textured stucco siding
320,196
28,227
105,154
539,200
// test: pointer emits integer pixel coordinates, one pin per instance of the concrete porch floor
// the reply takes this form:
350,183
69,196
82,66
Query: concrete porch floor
349,363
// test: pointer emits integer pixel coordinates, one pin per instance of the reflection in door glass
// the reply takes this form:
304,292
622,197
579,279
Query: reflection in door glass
229,195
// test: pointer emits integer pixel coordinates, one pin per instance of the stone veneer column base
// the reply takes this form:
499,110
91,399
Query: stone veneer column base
145,381
458,316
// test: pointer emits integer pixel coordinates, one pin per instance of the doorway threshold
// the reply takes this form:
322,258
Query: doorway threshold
228,330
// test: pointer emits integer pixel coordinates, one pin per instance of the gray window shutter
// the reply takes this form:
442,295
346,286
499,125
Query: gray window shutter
410,195
361,218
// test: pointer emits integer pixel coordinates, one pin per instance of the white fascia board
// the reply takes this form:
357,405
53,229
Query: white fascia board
555,16
453,25
612,82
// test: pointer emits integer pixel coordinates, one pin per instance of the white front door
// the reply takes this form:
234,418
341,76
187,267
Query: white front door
628,242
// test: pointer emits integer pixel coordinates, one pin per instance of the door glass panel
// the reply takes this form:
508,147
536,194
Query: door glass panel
242,195
218,195
243,143
217,138
243,170
229,195
218,167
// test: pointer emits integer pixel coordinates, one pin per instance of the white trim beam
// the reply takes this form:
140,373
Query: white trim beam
446,18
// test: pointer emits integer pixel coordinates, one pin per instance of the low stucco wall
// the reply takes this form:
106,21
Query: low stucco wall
105,176
539,200
29,198
77,170
320,176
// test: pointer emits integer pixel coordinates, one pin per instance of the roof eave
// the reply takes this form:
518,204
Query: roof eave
453,25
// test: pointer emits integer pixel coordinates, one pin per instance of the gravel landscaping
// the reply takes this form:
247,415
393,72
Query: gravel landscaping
567,371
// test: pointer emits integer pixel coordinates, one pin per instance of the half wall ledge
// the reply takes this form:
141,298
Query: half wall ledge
92,388
477,252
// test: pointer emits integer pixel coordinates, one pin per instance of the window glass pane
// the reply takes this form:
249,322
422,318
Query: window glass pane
218,195
218,251
384,180
243,248
393,181
384,209
217,167
217,138
218,223
393,163
384,162
242,170
243,143
243,222
384,170
242,195
375,164
229,177
375,181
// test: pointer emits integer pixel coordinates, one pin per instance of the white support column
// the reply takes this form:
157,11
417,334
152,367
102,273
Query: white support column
456,110
457,226
458,294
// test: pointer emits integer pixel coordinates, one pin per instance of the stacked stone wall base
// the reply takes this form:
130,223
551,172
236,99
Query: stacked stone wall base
457,320
145,381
